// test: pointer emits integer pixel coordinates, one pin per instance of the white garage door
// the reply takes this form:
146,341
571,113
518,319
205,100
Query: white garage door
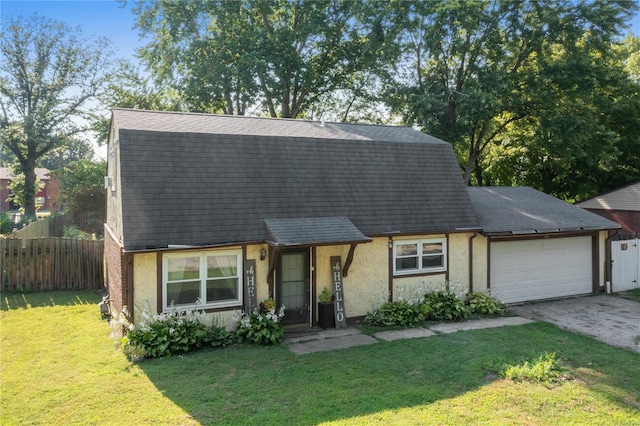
540,269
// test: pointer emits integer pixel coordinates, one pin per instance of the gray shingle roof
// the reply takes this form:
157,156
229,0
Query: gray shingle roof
180,122
217,182
523,210
313,230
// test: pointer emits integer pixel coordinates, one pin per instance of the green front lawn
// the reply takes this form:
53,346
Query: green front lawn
59,366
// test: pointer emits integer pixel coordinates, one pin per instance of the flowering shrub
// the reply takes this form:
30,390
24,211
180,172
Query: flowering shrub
483,303
446,305
170,333
262,326
410,308
400,312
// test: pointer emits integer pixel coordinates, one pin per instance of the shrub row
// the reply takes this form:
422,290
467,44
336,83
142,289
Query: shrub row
440,305
176,332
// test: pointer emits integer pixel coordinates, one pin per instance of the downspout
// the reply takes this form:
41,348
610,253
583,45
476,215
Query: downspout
130,299
608,273
475,234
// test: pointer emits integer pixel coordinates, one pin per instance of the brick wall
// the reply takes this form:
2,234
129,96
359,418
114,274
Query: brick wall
51,195
116,272
629,220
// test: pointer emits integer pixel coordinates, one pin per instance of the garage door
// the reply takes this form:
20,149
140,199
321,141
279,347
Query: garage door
540,269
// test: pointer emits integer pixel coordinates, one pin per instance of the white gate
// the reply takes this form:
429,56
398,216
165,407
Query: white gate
625,270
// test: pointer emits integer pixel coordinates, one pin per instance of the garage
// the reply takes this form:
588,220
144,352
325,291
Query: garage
538,247
542,268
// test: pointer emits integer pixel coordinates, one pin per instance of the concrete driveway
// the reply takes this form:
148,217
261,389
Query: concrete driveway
610,319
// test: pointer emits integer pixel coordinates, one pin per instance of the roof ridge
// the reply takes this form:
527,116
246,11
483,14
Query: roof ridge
234,116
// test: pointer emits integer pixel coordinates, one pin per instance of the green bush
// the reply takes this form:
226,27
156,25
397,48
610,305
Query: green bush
400,312
445,305
262,326
172,333
6,224
75,232
544,369
483,303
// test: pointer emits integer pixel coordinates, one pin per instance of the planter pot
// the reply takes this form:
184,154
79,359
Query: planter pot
326,315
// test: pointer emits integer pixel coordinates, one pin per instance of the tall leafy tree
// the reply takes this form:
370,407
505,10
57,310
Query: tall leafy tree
48,76
585,141
82,191
129,87
473,67
278,56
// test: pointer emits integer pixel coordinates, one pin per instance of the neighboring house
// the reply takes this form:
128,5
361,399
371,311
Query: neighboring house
46,197
228,210
621,205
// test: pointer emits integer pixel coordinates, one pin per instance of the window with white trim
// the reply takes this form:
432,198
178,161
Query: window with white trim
210,279
418,256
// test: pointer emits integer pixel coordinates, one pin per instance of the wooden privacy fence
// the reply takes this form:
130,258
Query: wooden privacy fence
51,264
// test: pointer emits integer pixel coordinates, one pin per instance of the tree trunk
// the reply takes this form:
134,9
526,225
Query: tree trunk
29,170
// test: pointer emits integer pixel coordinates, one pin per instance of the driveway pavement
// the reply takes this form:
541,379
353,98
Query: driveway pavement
610,319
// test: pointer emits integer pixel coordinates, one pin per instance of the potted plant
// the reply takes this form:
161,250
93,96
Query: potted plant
326,314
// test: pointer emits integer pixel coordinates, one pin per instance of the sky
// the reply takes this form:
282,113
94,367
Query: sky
106,18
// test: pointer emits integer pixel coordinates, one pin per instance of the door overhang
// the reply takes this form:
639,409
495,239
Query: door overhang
309,232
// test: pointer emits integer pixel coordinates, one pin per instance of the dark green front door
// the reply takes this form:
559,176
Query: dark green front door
293,286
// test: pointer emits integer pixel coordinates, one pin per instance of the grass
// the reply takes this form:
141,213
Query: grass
630,294
59,366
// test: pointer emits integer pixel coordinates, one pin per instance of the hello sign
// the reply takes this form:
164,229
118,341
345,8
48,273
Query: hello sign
338,291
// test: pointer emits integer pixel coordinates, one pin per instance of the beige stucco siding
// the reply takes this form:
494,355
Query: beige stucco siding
262,267
405,287
145,286
367,280
459,259
480,263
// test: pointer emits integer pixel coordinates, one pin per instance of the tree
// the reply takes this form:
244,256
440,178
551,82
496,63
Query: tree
585,142
48,76
474,66
82,192
129,88
73,150
278,56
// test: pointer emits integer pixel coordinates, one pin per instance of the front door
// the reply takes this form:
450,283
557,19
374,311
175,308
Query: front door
293,286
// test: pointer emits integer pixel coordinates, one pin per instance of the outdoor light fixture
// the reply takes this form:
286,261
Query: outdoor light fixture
263,254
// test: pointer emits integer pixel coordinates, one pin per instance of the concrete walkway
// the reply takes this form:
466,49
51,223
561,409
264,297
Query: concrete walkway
610,319
329,340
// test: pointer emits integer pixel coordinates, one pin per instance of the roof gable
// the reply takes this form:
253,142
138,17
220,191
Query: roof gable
624,198
184,188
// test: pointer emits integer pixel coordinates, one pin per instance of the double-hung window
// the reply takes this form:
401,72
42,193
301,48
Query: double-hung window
210,279
420,256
